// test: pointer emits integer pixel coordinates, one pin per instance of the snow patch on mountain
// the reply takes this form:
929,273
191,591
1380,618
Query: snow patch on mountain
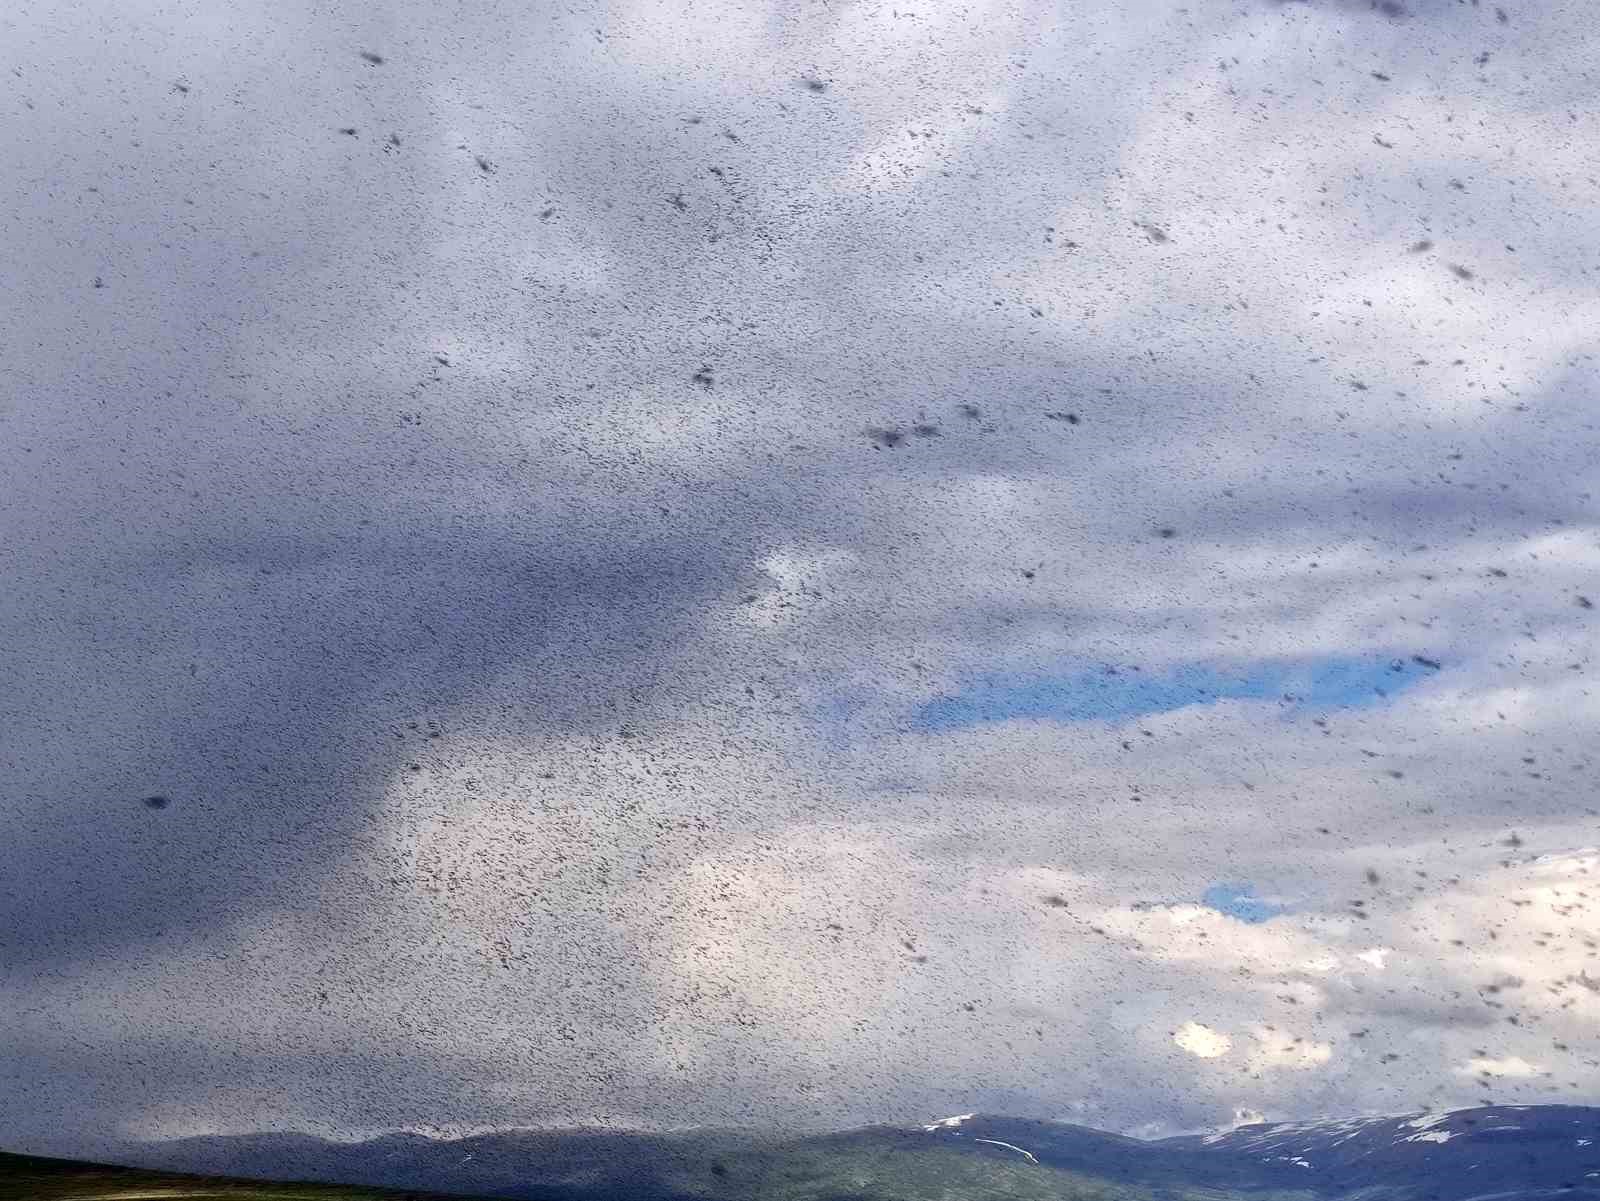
949,1123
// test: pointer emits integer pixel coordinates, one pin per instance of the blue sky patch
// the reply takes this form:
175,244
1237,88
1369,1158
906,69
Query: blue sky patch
1240,901
1117,693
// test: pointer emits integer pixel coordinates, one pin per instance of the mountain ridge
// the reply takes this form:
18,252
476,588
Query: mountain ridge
1510,1153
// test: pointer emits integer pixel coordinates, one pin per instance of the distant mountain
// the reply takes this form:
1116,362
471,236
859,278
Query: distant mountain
564,1165
1499,1153
1522,1151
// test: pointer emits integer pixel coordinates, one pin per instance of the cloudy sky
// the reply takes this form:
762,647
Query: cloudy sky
795,564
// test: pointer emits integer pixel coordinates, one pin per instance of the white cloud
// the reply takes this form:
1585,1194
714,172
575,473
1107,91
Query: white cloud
1276,1049
1202,1041
1513,1066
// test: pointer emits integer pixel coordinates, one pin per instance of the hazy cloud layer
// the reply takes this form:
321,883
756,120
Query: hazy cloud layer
769,564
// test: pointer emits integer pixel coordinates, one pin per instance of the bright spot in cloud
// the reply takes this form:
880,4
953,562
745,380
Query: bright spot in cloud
1278,1049
801,581
1513,1066
1202,1041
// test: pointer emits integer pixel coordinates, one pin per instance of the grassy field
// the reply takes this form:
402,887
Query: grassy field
842,1171
891,1173
886,1174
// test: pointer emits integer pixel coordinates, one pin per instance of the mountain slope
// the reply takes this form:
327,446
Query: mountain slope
1500,1153
35,1178
1462,1153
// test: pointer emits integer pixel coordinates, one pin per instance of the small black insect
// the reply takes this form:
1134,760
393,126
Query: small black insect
349,131
1460,272
1379,75
703,376
484,164
182,88
815,85
1426,662
157,801
1585,603
375,59
1167,531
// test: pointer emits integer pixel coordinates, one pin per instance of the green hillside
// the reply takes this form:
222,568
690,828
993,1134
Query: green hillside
853,1170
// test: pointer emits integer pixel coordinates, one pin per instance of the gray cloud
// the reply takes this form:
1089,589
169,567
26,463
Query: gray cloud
494,566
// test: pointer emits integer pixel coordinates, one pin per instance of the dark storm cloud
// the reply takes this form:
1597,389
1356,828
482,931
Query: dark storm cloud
284,702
